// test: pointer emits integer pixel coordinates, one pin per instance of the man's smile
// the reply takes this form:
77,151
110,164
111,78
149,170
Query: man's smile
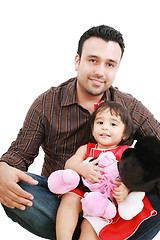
96,81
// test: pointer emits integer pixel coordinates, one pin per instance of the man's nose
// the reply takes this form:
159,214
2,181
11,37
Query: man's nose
99,71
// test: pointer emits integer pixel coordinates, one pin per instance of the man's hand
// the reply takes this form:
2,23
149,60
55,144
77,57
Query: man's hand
11,194
121,192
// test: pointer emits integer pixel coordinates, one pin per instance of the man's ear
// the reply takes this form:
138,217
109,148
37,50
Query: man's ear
77,60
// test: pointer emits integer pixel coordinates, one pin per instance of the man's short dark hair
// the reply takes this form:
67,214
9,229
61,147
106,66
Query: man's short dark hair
104,32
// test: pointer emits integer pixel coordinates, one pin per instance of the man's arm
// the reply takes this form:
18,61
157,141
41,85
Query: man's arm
26,147
20,155
144,122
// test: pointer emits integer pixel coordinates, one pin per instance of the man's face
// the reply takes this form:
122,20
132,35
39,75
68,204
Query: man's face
97,67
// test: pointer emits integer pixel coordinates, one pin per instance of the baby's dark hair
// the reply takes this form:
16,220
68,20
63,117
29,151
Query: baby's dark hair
118,110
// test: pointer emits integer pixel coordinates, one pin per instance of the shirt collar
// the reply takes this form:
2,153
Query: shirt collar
69,93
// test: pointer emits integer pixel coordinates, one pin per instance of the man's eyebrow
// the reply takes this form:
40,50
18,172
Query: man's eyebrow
114,61
93,56
109,60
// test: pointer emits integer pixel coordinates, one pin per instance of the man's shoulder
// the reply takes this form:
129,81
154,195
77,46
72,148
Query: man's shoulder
65,85
118,93
54,97
122,97
58,89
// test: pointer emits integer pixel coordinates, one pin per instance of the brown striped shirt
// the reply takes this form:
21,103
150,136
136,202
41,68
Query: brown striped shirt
59,125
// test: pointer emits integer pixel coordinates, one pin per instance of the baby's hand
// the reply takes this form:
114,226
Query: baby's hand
121,192
90,171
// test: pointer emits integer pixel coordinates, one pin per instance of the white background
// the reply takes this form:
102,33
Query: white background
38,43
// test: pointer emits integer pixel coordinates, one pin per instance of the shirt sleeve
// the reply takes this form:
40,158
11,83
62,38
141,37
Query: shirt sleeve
26,147
144,121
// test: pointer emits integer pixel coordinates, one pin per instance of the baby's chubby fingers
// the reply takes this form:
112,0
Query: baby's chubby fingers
118,197
95,177
96,167
120,192
118,183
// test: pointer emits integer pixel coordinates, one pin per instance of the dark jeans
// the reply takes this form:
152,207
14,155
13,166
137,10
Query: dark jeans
40,218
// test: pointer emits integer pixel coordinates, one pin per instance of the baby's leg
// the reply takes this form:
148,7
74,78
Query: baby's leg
87,231
67,216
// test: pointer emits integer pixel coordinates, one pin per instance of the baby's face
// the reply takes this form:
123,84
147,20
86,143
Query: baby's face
108,129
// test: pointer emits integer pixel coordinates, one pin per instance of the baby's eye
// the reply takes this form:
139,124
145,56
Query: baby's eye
100,122
113,124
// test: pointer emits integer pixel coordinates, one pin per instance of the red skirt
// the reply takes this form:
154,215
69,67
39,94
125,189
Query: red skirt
118,228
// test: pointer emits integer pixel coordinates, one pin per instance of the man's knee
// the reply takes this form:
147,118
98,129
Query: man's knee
41,217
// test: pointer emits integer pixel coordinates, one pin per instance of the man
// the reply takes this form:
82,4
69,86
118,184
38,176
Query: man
58,121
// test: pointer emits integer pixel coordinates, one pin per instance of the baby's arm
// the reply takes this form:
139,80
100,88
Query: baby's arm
120,192
75,161
88,170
